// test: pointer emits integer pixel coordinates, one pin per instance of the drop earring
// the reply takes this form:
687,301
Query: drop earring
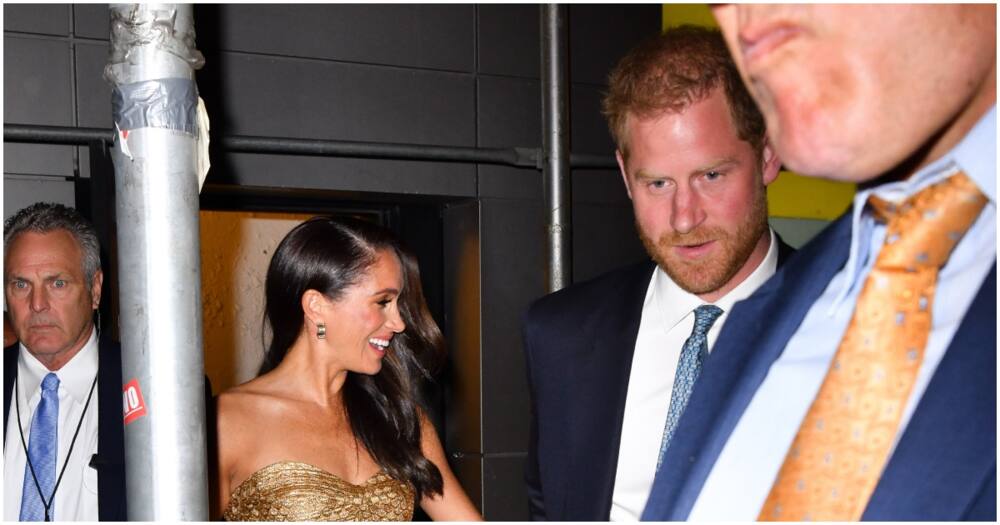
320,330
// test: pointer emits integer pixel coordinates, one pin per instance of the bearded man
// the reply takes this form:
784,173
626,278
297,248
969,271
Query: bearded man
611,361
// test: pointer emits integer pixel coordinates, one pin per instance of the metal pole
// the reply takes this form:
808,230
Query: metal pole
154,102
33,134
555,144
346,148
515,156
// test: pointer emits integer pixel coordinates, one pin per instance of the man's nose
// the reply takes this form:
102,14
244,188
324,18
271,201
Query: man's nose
39,300
687,213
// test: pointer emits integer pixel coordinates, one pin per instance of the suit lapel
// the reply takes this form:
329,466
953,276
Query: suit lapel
754,335
948,449
110,459
9,373
601,378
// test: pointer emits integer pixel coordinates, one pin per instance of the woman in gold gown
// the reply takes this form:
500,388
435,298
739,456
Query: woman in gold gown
332,428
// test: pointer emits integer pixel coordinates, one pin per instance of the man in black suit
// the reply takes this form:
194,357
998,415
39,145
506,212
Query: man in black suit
611,361
62,378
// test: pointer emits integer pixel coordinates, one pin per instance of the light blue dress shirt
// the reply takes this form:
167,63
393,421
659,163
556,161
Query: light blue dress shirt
742,476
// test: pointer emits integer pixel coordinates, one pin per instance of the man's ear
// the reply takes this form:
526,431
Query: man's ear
621,168
770,163
95,289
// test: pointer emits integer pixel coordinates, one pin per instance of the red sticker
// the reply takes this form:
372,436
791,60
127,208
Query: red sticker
134,406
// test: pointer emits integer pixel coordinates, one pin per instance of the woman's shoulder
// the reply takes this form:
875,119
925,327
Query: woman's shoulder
243,392
251,397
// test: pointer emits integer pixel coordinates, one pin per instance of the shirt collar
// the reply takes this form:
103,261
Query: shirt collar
975,155
76,376
675,303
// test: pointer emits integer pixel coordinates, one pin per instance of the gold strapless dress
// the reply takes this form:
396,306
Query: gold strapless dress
290,491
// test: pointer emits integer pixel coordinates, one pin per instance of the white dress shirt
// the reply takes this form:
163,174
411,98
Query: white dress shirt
742,476
667,321
76,496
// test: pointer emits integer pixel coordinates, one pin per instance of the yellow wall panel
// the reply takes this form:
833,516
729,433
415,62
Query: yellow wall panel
695,14
797,197
792,196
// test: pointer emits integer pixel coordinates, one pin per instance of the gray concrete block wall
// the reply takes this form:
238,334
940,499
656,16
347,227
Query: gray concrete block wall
38,89
447,75
432,37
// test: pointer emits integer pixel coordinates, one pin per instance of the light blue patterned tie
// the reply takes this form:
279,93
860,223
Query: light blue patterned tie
42,446
688,369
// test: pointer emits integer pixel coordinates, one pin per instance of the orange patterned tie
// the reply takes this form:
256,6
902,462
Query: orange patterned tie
843,443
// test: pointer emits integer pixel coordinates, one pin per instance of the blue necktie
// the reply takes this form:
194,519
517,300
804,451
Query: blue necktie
688,369
42,446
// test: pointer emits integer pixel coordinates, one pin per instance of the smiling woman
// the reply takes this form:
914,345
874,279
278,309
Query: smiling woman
332,429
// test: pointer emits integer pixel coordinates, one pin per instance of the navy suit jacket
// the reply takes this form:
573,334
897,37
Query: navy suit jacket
110,458
944,467
579,344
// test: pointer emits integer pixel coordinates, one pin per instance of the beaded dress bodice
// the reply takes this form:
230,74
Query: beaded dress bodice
291,491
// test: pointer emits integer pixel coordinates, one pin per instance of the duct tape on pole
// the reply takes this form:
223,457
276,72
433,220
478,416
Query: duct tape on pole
157,162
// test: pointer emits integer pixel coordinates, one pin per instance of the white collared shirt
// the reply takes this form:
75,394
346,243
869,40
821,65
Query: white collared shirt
667,321
76,496
744,472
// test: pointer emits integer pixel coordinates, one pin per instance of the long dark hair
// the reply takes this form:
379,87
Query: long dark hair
329,255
